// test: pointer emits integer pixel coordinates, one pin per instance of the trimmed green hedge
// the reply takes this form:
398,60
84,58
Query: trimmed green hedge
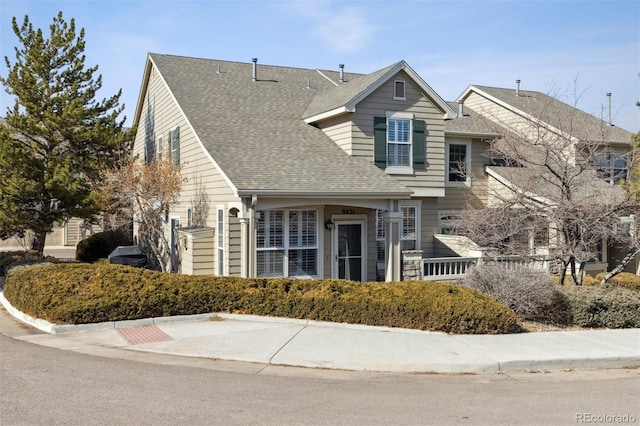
596,306
623,279
82,293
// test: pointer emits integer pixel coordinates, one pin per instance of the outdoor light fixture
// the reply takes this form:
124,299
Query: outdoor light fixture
328,224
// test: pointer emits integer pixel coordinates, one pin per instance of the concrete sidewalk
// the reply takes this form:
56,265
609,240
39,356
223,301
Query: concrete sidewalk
277,341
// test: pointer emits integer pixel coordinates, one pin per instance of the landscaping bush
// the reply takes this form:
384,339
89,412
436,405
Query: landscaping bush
100,245
83,293
526,291
596,307
9,259
623,279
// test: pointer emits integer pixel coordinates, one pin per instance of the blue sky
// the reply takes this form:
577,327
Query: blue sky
549,45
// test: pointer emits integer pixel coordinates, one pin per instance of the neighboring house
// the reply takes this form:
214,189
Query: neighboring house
538,117
308,173
63,235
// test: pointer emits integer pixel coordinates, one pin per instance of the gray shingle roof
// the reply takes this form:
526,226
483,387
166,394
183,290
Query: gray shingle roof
470,123
255,131
344,92
562,116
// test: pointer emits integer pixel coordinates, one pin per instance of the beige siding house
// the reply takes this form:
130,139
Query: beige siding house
307,172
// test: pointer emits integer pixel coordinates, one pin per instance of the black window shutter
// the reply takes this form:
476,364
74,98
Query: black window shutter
177,146
419,144
380,141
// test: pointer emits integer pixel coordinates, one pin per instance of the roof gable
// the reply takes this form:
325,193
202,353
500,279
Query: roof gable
553,114
346,96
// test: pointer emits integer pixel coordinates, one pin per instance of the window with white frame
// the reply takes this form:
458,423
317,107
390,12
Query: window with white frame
160,148
409,230
220,239
398,142
458,162
189,216
174,145
612,167
287,243
399,90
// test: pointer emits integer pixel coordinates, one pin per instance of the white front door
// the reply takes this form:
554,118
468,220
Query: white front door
349,250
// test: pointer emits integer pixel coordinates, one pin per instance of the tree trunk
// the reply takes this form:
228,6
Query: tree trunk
38,242
633,252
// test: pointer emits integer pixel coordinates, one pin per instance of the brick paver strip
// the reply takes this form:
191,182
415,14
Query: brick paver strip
143,334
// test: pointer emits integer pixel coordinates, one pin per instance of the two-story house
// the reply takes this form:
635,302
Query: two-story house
306,172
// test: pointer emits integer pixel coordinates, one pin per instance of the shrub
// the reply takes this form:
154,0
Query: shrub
598,306
100,245
82,293
623,279
526,291
11,259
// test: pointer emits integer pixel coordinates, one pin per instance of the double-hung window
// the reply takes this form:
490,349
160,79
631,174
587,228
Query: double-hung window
220,233
287,243
612,167
398,142
458,162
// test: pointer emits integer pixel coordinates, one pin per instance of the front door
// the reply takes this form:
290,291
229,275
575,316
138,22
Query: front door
349,250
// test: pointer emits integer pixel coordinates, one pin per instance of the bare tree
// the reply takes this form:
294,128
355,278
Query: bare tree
554,184
149,190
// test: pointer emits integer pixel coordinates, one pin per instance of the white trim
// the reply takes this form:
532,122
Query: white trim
399,170
417,204
327,114
349,219
404,90
428,192
221,235
189,215
400,115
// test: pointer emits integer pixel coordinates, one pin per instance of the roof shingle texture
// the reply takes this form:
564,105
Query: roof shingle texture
255,131
565,117
470,123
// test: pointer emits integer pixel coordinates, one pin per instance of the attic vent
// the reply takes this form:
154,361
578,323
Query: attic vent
341,66
255,69
461,108
517,87
398,90
218,71
609,97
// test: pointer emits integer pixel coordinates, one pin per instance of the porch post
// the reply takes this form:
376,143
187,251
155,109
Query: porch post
392,242
244,247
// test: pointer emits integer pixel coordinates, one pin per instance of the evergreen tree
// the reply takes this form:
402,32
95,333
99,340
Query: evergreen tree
57,136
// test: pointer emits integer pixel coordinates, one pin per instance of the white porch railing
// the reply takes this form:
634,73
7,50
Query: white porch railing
453,268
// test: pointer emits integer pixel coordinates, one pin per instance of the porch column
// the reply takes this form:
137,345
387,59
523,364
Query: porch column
244,247
393,268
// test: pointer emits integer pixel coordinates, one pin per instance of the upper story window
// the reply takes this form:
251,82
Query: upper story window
399,90
612,167
174,145
399,142
458,162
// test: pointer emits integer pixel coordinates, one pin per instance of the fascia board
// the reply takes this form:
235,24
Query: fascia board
472,134
324,194
327,114
143,88
517,189
446,109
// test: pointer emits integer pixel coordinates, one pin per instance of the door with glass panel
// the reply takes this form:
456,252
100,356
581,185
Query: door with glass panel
349,250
